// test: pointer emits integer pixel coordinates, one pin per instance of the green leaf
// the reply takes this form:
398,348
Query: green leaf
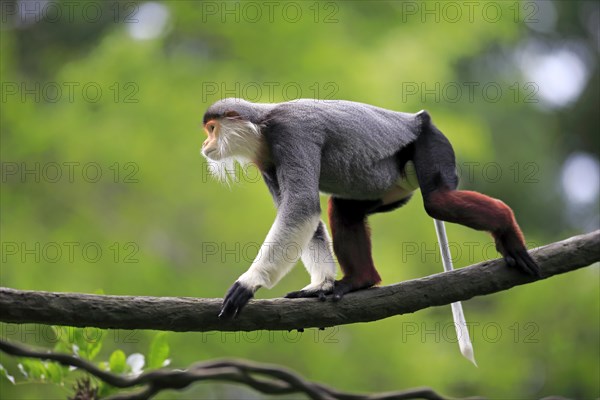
54,372
159,351
62,347
33,369
117,362
64,335
94,338
6,374
105,390
88,341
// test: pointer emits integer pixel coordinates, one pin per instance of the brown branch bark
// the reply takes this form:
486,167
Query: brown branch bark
191,314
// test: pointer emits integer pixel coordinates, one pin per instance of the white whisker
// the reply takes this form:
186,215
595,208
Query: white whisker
238,143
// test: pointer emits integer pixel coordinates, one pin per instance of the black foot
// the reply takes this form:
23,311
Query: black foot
308,293
522,260
516,255
341,287
236,298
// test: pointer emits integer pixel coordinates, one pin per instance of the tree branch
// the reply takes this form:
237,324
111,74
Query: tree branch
264,378
191,314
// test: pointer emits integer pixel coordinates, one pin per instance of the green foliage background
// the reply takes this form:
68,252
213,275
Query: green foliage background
531,341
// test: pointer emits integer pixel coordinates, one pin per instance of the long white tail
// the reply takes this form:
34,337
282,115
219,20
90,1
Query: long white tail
462,332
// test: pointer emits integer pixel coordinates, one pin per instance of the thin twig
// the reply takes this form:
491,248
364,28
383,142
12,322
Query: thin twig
268,379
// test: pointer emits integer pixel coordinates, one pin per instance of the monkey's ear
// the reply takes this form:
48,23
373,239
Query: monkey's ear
232,114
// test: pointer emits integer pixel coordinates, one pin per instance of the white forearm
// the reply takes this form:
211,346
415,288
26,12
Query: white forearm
279,253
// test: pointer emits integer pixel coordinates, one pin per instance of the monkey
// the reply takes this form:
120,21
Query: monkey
369,160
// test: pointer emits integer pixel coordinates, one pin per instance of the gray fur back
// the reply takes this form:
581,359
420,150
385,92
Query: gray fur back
359,142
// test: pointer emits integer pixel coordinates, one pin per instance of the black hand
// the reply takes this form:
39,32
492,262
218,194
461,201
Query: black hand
237,296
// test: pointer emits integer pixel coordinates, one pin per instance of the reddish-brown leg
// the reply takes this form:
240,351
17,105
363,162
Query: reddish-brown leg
482,212
436,170
352,245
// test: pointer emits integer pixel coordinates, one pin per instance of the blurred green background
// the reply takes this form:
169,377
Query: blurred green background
103,187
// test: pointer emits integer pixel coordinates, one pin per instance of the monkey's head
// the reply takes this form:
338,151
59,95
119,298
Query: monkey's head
231,136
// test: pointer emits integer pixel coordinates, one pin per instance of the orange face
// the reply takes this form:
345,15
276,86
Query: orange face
212,130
